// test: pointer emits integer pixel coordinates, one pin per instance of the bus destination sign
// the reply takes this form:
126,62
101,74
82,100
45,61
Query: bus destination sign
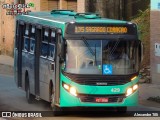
99,29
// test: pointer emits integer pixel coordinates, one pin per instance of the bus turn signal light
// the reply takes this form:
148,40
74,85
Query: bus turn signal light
133,78
131,90
73,91
70,89
135,87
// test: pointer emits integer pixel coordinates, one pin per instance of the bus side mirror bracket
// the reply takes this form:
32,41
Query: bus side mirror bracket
60,46
141,50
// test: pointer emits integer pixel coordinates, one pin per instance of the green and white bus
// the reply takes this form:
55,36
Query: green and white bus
77,59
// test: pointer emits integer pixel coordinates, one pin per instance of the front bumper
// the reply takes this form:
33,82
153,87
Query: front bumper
68,100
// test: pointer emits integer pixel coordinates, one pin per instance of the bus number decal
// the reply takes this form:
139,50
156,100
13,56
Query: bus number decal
115,89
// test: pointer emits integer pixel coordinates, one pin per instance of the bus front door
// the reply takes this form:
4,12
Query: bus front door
19,39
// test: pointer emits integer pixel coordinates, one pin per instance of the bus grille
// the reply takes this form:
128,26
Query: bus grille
111,98
99,80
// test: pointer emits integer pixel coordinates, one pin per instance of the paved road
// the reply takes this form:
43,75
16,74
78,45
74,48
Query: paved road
13,99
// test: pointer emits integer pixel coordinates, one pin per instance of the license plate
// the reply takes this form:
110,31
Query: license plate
101,100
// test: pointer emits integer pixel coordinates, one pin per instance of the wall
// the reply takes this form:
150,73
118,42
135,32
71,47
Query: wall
7,30
117,9
155,41
36,3
7,23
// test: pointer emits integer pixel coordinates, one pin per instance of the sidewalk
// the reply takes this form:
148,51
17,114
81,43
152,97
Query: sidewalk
146,91
6,65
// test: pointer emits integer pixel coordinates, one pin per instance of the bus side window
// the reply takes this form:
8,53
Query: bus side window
26,38
46,35
32,45
32,35
44,45
52,41
53,37
32,39
44,49
51,52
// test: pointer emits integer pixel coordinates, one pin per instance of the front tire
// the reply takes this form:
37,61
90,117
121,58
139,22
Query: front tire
57,111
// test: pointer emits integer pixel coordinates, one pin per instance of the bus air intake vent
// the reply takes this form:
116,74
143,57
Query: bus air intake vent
64,12
98,80
87,15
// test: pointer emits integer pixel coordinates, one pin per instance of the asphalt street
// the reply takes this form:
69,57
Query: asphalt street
13,99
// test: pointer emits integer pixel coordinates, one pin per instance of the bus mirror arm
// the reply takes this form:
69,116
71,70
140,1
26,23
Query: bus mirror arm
62,50
141,49
61,53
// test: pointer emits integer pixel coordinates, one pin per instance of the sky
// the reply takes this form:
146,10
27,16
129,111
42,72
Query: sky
155,4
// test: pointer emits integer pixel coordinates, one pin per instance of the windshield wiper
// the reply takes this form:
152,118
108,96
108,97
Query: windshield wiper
114,48
95,55
91,51
87,45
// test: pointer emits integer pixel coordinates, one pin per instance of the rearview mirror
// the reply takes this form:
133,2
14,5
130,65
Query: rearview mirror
141,51
60,47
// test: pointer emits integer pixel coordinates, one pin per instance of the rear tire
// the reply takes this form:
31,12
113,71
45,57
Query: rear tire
29,97
122,110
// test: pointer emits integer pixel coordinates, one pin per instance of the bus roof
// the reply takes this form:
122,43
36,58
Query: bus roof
68,21
66,16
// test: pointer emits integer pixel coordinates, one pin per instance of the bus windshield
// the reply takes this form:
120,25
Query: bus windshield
102,57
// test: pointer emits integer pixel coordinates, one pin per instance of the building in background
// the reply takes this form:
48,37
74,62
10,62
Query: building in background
6,30
48,5
7,22
116,9
155,41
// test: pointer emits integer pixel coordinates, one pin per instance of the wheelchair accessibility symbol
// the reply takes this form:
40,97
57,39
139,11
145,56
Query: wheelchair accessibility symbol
107,69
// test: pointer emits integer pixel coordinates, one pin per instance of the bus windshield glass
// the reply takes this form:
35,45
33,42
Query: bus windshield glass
102,57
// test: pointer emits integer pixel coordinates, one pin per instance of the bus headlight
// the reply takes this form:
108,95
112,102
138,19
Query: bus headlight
135,87
131,90
70,89
73,91
66,86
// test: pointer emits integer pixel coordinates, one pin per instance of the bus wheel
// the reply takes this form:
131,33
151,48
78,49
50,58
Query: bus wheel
28,94
52,99
56,110
121,109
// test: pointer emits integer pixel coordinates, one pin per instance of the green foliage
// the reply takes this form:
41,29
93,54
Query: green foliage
143,22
